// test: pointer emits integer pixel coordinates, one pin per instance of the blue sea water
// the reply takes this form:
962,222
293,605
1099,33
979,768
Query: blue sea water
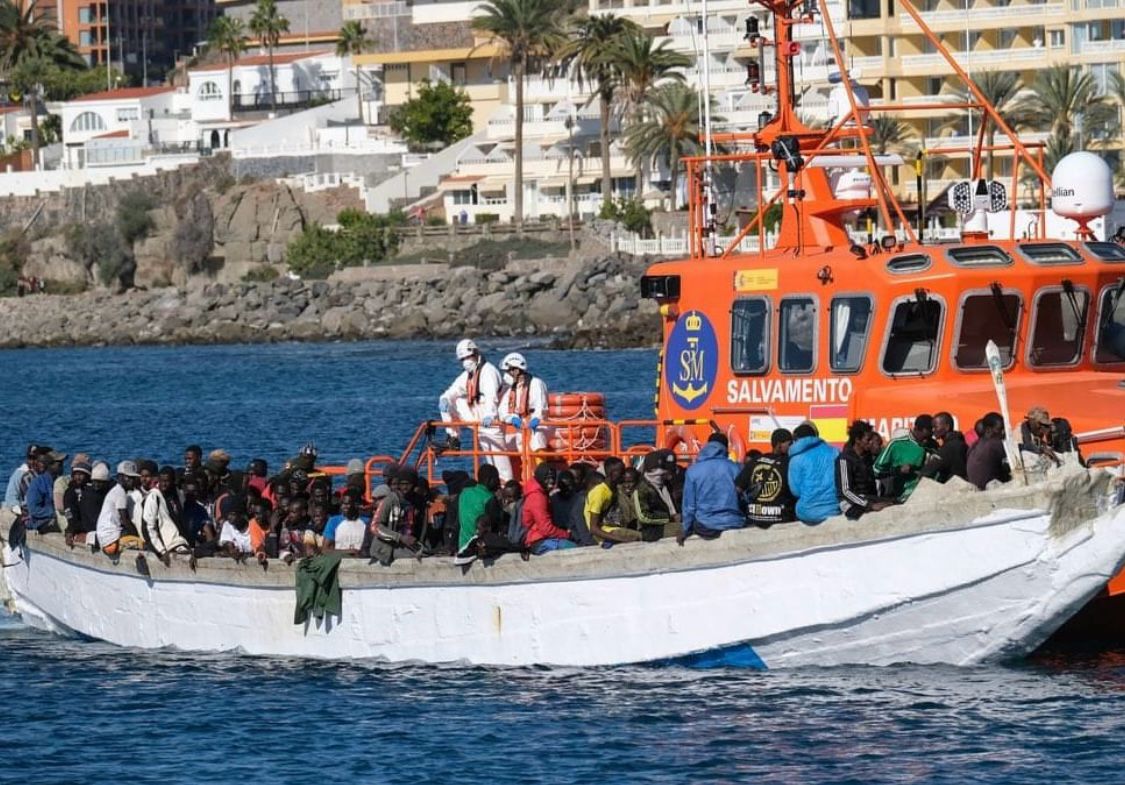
80,711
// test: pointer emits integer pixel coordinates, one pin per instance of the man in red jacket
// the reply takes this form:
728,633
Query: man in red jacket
543,535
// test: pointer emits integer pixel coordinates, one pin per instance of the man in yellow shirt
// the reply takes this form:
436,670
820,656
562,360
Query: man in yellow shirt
602,515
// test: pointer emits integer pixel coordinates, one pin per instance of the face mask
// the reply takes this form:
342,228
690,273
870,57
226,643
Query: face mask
469,364
509,379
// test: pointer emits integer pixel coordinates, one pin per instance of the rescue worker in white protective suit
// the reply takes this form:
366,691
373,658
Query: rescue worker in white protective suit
474,397
523,402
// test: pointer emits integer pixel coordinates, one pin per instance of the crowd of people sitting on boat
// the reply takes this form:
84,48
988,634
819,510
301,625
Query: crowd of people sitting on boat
204,508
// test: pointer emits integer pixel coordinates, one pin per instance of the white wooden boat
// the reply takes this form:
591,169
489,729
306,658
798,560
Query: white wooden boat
954,576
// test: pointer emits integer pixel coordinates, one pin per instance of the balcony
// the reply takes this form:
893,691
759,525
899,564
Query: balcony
935,144
1110,46
360,11
999,57
291,101
693,42
1028,15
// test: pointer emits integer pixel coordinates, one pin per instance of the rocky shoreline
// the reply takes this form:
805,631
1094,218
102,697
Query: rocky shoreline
577,303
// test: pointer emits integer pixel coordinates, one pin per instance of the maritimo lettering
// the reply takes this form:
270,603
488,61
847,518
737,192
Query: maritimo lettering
789,390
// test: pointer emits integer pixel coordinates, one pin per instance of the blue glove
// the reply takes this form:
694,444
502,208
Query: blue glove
487,421
515,421
533,423
443,405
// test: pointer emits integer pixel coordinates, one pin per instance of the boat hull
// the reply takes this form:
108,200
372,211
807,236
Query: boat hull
990,588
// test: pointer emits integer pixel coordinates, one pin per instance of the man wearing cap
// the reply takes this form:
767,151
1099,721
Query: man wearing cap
40,501
72,497
1035,434
115,521
474,397
12,498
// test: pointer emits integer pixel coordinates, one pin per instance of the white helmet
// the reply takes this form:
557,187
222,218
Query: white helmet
514,360
466,349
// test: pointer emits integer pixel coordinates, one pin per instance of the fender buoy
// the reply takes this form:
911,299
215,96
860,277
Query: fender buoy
681,439
737,445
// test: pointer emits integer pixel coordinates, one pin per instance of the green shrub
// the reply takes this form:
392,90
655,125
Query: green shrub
363,238
263,273
630,213
436,220
132,219
14,248
487,218
314,253
101,244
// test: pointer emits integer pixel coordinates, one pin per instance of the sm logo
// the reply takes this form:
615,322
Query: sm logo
691,360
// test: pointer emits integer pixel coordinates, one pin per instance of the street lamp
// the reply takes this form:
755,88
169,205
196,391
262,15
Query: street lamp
569,123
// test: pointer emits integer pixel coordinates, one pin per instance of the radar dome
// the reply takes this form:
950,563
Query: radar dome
839,107
1082,187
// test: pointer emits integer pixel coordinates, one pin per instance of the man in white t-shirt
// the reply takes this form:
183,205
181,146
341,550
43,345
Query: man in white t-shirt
234,536
346,531
115,521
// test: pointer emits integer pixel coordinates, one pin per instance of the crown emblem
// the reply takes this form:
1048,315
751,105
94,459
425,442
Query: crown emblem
694,323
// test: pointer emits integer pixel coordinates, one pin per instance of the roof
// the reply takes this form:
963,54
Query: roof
123,134
123,94
482,52
280,58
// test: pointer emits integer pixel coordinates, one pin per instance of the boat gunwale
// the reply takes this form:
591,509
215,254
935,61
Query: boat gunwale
634,560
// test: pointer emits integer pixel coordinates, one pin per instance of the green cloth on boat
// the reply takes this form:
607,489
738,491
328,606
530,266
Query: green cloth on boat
318,587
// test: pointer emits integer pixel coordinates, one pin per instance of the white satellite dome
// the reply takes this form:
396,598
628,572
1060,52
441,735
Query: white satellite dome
1082,187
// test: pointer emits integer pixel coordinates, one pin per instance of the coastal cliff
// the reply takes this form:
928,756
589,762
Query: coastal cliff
590,302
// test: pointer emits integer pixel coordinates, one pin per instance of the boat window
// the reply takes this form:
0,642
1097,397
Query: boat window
796,340
851,324
749,335
1111,325
911,263
1107,252
979,256
1050,253
1058,322
988,316
913,336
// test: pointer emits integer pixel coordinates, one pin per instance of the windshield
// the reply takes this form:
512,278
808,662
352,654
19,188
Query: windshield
912,343
984,318
1060,320
1111,328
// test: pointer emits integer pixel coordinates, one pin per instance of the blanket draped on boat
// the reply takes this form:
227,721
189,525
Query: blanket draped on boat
318,587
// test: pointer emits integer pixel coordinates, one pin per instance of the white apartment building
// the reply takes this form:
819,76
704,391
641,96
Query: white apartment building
885,50
128,126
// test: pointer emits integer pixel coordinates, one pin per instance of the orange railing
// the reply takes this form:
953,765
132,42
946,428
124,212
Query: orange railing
585,440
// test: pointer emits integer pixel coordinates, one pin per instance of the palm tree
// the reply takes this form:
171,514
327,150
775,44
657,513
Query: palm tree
354,41
591,39
1063,98
268,24
30,46
640,67
888,134
526,31
227,36
669,131
1001,89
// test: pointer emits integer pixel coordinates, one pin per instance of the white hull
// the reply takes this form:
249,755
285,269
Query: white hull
912,588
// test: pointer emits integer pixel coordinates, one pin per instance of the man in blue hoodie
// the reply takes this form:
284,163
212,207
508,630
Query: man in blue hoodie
812,465
710,497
